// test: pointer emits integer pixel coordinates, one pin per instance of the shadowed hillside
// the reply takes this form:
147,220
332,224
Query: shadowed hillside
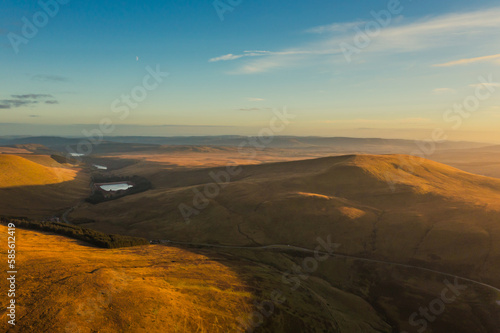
390,208
376,206
38,186
72,287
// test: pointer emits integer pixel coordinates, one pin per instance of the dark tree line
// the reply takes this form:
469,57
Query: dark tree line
88,235
63,159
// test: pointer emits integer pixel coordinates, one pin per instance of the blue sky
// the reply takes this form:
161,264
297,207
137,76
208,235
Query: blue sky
226,76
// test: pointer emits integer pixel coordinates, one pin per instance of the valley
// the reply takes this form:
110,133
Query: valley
380,224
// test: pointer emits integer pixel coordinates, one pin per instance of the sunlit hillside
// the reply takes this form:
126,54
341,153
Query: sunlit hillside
73,287
20,171
38,186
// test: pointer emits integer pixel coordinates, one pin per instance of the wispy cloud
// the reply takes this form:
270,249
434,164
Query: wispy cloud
13,103
49,78
485,84
26,100
231,56
335,27
32,96
468,29
255,99
226,57
495,57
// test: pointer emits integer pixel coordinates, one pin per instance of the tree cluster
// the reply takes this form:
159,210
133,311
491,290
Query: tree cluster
87,235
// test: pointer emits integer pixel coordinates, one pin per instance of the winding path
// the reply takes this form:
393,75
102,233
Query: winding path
64,216
302,249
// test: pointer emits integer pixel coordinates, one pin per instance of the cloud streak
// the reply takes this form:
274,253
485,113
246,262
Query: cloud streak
335,27
485,84
231,56
31,96
26,100
470,30
470,61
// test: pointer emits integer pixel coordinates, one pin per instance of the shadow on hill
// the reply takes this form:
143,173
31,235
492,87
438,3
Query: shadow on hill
42,201
69,288
294,202
432,211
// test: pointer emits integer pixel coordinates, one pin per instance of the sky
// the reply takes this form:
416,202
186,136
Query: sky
393,69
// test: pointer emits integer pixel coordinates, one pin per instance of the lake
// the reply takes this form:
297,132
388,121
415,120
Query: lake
100,167
116,187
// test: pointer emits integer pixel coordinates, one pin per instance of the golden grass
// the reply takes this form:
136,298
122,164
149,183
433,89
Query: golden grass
206,157
64,286
19,171
37,186
434,211
425,176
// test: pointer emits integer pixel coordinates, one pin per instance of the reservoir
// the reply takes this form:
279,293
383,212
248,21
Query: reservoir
111,187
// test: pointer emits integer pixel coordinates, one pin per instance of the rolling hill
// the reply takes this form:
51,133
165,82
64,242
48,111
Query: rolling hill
381,207
20,171
142,289
73,287
384,210
38,186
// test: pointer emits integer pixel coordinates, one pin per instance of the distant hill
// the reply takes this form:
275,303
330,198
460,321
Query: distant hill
53,142
333,144
340,144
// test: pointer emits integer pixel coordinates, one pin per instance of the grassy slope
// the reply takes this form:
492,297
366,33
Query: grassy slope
395,292
119,290
433,210
144,289
64,285
20,171
37,186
